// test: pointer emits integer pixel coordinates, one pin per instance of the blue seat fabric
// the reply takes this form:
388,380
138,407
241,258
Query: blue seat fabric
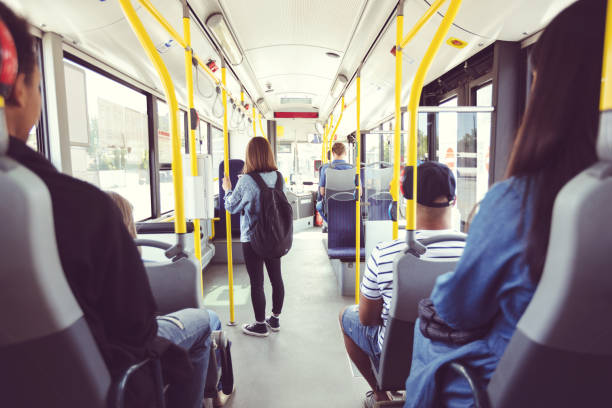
378,209
341,230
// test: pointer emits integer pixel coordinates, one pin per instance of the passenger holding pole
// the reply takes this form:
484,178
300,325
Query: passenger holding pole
245,198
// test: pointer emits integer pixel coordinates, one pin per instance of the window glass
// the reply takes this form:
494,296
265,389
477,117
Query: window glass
387,142
109,136
285,159
166,191
216,148
463,142
202,142
449,102
164,140
33,139
484,95
372,145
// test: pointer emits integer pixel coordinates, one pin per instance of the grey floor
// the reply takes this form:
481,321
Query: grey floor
305,364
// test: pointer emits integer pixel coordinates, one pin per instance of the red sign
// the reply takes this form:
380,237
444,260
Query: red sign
296,115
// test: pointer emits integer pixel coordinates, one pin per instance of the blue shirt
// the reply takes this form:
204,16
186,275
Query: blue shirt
490,286
338,165
245,198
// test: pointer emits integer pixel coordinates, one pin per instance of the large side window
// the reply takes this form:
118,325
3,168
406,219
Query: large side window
109,135
164,146
216,147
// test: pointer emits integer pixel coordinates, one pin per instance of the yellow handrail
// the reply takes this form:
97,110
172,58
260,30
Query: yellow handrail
324,146
212,228
419,24
331,139
261,127
413,104
197,243
330,126
177,166
228,216
606,77
397,139
358,192
254,124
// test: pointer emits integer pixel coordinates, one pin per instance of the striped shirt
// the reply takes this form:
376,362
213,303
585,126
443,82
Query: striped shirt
377,280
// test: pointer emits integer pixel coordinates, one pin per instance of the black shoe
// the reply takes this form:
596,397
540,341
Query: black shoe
255,329
325,230
273,323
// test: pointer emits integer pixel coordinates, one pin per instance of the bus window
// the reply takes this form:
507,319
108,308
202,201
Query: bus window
202,138
484,95
109,143
372,145
216,148
387,142
164,145
285,159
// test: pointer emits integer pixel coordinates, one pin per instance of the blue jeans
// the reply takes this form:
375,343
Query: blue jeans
319,208
366,337
189,329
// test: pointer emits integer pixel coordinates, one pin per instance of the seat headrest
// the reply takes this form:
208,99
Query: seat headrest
604,142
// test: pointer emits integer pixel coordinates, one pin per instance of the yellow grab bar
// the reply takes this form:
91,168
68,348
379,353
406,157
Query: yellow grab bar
261,127
192,144
331,139
177,166
397,138
413,104
254,124
212,227
419,24
606,77
324,146
358,192
228,216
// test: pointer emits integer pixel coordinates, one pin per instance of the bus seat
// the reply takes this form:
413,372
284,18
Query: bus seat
378,206
48,356
414,279
341,224
376,181
561,352
235,168
338,181
177,283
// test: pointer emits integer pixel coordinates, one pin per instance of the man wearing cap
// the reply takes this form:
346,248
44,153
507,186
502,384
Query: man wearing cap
363,326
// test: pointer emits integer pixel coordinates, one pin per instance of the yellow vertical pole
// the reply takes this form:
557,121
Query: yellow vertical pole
190,126
180,226
324,145
606,76
228,216
331,138
358,192
261,127
329,130
254,124
397,140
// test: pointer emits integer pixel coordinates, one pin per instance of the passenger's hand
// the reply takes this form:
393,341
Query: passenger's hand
227,184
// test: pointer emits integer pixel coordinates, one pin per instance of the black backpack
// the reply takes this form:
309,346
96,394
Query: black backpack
272,234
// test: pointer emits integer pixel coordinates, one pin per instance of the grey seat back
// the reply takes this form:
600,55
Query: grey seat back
48,356
339,181
376,191
176,284
561,353
413,279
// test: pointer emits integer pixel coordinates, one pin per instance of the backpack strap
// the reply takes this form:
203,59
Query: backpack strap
260,182
279,181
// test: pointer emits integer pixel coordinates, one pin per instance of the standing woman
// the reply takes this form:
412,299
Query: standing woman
245,198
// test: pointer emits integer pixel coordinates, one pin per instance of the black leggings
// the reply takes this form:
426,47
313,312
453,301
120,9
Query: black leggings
254,265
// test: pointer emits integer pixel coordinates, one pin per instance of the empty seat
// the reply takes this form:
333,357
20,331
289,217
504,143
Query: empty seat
235,169
338,181
341,232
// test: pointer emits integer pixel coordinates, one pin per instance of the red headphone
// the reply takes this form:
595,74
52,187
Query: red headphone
8,61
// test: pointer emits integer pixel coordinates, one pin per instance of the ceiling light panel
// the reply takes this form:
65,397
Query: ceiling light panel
216,22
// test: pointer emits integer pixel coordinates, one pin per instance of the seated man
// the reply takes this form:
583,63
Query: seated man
101,262
339,162
363,326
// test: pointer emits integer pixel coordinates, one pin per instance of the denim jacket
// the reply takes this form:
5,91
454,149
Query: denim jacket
245,198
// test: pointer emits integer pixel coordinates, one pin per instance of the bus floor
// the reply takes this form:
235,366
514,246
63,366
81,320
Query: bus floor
305,363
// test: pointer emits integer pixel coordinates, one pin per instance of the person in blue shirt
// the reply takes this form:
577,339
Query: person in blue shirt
339,162
505,251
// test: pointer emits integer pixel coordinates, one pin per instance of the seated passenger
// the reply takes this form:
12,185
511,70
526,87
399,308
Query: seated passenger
127,214
339,162
506,248
363,326
101,262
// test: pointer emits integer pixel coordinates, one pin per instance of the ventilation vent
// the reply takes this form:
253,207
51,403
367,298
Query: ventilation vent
300,101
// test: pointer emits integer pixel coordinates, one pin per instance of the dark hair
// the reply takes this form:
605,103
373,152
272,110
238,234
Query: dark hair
558,134
259,156
338,148
24,42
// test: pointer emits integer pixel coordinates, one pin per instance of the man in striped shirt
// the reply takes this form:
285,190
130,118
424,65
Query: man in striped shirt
363,326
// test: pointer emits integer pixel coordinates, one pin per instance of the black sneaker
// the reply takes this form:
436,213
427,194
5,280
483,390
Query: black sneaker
273,323
255,329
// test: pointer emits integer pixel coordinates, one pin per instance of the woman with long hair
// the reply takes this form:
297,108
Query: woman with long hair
245,198
505,252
